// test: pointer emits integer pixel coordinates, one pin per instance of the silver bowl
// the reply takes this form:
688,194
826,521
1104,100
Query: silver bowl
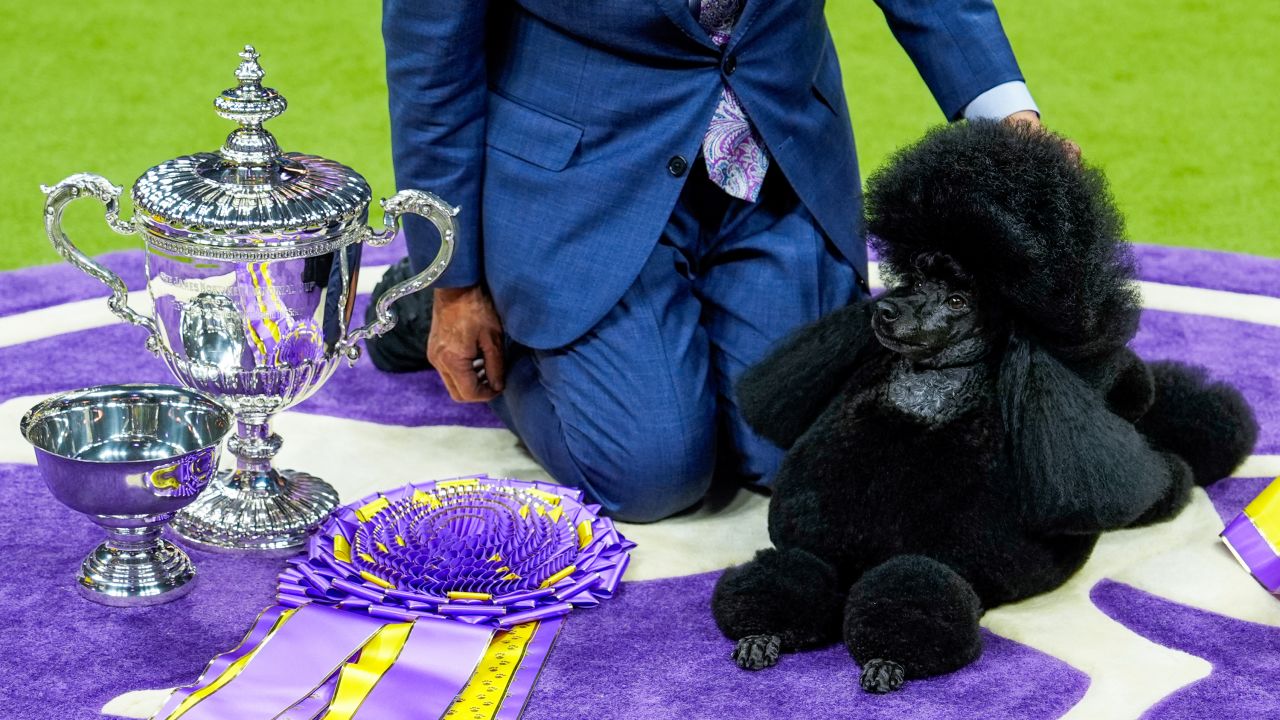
129,457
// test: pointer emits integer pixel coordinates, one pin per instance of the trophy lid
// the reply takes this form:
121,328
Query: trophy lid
249,200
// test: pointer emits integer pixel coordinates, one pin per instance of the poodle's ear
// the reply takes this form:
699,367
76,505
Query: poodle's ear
782,396
1122,377
1081,467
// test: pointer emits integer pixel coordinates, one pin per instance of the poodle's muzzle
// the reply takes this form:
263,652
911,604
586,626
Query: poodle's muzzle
899,325
931,320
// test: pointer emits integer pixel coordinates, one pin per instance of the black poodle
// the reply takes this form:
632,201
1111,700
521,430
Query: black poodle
962,441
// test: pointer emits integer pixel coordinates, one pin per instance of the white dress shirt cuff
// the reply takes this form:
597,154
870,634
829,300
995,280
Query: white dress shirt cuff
1001,101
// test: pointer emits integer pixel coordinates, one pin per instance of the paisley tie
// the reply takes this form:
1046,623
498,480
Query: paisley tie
735,155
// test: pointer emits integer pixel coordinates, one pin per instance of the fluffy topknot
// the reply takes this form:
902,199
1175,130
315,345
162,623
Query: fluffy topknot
1035,228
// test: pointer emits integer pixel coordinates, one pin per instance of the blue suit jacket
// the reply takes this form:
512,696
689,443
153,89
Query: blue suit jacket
553,124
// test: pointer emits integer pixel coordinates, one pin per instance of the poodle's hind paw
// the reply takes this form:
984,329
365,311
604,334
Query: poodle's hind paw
757,652
882,676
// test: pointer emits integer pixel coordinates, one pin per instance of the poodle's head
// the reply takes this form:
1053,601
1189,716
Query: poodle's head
936,316
1035,230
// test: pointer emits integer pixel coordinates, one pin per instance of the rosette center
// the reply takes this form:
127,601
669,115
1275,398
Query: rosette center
489,540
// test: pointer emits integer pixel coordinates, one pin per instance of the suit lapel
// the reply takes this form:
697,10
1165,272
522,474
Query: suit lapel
678,11
743,26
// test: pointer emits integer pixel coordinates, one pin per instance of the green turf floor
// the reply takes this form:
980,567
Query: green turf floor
1175,98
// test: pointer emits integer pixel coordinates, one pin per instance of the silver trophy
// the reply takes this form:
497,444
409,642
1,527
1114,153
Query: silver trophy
129,457
252,257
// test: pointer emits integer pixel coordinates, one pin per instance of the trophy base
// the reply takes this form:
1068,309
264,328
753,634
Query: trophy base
233,515
133,576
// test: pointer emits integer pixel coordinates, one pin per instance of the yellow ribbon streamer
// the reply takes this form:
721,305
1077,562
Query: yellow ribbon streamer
232,670
482,697
358,679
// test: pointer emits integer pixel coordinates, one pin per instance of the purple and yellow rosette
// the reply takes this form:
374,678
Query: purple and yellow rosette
435,600
1254,537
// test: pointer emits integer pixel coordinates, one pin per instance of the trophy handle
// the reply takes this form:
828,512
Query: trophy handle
440,214
90,185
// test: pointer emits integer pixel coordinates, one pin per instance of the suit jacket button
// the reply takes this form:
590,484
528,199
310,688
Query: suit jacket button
677,166
730,64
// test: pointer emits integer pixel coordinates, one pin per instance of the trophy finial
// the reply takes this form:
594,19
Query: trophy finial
250,104
249,72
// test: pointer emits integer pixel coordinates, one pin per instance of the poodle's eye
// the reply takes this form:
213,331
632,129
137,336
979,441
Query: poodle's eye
917,286
957,302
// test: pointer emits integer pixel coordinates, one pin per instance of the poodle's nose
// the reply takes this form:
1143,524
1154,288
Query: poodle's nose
887,310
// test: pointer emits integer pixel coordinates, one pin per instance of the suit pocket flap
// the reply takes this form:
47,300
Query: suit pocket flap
530,135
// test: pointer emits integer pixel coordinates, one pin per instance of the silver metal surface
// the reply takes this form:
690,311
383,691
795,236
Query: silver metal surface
304,205
249,197
129,457
97,187
252,260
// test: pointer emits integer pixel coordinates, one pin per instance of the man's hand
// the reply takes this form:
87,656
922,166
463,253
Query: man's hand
1032,118
465,329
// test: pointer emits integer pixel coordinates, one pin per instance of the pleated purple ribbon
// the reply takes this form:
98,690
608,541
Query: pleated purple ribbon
485,569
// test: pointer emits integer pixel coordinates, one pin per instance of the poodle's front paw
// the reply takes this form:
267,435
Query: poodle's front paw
882,676
757,652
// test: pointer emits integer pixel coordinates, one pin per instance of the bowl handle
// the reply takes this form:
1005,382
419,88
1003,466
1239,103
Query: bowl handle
440,214
56,199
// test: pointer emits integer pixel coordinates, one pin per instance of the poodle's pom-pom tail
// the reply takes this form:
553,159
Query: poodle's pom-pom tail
1207,423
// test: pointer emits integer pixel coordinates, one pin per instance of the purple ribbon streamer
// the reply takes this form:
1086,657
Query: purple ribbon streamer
434,665
266,620
300,657
315,705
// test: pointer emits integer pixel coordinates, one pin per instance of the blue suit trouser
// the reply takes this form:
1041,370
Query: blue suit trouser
640,411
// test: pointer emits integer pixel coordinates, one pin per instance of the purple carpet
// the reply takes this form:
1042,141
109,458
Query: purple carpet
1245,655
653,652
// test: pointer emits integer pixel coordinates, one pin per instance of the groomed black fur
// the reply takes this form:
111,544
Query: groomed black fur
897,602
961,442
1091,469
763,594
783,402
1039,229
1208,423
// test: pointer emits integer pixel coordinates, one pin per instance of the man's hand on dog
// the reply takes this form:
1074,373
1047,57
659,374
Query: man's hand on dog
465,344
1032,118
